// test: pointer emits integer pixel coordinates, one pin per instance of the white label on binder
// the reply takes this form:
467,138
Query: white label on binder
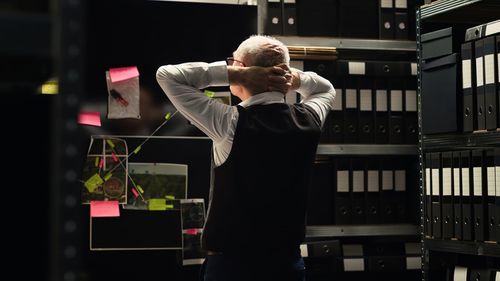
466,74
352,250
413,263
354,264
411,100
297,64
365,96
446,181
303,251
401,4
385,3
413,66
373,181
489,69
396,100
400,180
492,28
387,182
427,181
491,181
337,101
342,181
413,248
456,181
497,179
479,72
381,99
435,182
350,98
465,182
356,68
358,181
477,180
460,273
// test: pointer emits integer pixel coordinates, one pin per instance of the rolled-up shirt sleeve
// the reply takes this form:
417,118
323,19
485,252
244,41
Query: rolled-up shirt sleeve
317,92
182,83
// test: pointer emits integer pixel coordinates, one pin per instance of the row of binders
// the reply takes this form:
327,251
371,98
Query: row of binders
384,19
461,80
327,257
361,191
459,273
376,101
462,195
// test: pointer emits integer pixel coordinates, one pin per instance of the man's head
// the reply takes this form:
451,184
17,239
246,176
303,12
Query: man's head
259,50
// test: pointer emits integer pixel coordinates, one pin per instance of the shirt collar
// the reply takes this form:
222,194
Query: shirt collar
264,98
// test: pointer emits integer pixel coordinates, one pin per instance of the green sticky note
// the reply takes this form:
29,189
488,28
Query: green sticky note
137,149
139,188
110,143
170,206
209,94
156,204
107,176
93,182
170,197
168,116
96,161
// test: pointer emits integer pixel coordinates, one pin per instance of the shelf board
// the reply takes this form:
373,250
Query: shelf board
461,11
461,140
362,230
350,43
463,247
367,149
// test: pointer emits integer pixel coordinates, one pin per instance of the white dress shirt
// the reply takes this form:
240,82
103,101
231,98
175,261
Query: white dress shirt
218,121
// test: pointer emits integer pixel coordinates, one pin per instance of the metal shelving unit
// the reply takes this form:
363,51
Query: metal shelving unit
350,43
463,247
361,230
367,149
439,14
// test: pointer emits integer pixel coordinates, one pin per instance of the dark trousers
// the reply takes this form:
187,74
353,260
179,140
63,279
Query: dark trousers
227,268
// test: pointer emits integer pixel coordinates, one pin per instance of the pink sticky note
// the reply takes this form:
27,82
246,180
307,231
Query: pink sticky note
90,118
191,231
104,209
123,73
101,164
136,194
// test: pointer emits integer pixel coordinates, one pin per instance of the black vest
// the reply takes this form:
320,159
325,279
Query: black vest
258,197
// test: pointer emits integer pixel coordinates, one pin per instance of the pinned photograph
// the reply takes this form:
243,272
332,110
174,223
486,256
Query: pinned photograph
156,186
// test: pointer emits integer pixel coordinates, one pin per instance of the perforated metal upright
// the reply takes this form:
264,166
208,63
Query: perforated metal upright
65,243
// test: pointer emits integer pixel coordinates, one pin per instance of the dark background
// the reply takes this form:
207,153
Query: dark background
147,34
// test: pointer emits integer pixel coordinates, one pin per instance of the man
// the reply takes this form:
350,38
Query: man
263,151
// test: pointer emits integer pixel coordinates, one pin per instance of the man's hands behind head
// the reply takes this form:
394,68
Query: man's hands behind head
264,79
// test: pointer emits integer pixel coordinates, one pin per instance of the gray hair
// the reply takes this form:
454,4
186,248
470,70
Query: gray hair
263,50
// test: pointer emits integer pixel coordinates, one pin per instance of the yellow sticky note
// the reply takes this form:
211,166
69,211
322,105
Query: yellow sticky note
169,206
137,149
110,143
168,116
107,176
170,197
93,182
209,94
96,161
139,188
156,204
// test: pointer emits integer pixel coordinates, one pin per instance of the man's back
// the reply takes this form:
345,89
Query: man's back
259,194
